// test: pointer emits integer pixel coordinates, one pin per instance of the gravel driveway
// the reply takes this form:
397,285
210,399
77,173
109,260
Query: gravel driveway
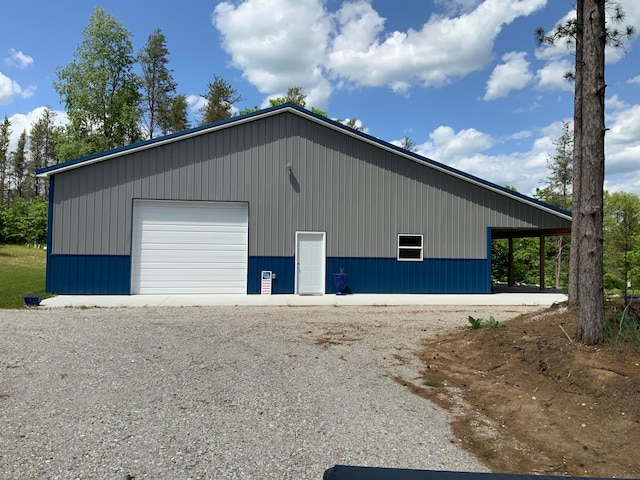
224,392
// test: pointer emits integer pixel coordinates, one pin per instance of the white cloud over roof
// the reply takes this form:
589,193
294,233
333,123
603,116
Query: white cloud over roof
304,45
277,44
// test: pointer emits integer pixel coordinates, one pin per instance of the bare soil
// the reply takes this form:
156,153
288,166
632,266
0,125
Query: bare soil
531,400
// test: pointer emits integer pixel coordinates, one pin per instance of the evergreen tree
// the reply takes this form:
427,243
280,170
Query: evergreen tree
408,144
589,34
156,82
41,151
19,167
558,192
221,97
176,119
99,90
5,138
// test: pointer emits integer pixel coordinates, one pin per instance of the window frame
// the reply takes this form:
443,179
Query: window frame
403,248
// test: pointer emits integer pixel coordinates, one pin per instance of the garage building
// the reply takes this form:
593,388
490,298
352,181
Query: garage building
282,190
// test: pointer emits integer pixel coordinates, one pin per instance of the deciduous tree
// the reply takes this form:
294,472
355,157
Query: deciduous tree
100,90
294,95
621,230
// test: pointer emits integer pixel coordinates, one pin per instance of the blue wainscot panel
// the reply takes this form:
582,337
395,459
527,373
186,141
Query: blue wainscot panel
432,275
283,267
89,274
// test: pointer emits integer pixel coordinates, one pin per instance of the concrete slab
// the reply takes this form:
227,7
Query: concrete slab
541,299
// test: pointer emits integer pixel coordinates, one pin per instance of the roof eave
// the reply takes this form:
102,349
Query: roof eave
203,130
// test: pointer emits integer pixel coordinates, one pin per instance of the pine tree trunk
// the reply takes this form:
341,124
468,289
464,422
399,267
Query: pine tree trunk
590,209
574,252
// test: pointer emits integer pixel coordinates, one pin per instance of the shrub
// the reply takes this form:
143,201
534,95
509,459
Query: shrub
24,221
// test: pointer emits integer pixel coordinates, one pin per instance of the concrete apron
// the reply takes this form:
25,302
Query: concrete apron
542,299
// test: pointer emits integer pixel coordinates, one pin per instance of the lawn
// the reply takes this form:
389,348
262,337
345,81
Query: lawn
22,272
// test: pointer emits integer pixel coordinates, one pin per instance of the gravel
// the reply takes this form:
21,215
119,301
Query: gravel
224,392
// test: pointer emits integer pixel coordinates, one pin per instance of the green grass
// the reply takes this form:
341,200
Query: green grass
22,272
478,323
433,383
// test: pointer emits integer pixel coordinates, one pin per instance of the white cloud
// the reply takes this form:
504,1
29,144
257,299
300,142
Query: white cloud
520,135
196,103
21,122
284,51
511,75
467,149
304,45
552,76
622,141
10,89
453,7
634,79
559,57
614,103
562,47
631,9
444,48
447,146
18,59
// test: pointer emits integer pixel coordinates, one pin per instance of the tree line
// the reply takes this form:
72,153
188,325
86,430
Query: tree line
621,234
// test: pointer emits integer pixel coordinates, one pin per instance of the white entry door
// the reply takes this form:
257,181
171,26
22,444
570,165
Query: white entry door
310,263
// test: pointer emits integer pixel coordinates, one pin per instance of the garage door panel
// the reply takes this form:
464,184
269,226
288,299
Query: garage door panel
192,256
178,238
189,247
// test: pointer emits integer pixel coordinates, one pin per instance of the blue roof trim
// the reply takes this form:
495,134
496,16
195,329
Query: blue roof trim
320,118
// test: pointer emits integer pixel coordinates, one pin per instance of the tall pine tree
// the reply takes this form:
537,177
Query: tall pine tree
19,167
41,151
157,84
590,35
5,138
221,97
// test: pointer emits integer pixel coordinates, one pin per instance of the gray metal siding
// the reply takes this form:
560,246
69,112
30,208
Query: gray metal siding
360,194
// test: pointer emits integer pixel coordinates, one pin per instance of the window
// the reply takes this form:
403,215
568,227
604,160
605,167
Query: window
409,248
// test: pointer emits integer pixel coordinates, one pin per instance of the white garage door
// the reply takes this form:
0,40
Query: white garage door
189,247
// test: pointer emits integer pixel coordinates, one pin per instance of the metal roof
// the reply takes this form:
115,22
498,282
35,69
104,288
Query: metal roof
291,108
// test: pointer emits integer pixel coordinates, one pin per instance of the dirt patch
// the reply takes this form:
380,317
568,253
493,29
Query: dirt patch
529,400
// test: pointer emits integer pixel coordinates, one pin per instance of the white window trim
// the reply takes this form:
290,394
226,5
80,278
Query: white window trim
399,248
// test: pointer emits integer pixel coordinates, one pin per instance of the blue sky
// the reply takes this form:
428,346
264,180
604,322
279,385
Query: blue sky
464,79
